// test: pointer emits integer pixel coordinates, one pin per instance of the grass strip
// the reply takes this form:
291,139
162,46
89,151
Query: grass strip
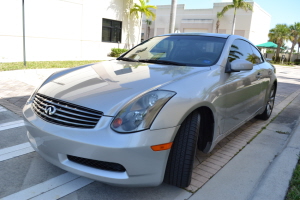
44,64
294,189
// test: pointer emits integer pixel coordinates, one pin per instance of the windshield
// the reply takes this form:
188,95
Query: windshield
178,50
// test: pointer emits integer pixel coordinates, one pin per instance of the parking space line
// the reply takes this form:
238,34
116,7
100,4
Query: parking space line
15,151
65,189
2,109
62,184
10,125
14,148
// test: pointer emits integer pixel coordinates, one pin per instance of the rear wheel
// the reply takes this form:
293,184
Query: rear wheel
180,162
269,107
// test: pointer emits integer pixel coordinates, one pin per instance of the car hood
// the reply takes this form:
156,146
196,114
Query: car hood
108,85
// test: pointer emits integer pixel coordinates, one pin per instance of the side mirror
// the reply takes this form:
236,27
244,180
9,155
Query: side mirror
241,65
268,59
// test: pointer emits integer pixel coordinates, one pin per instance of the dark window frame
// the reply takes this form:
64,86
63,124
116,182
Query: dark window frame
113,29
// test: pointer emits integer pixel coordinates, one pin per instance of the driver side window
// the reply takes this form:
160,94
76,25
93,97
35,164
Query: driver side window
241,49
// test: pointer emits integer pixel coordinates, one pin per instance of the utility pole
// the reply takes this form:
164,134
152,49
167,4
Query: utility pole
23,15
173,16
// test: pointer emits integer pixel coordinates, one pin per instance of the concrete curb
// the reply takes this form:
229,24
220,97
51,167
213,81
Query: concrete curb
275,183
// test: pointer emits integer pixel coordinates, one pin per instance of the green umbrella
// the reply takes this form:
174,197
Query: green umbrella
268,45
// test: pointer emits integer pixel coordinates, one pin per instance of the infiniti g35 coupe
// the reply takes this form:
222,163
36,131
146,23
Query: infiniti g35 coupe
139,119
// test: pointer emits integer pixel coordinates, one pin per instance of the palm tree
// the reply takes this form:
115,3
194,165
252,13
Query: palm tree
237,4
279,35
148,22
298,46
219,16
294,37
141,9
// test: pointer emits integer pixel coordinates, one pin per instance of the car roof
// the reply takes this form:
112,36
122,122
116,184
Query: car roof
200,34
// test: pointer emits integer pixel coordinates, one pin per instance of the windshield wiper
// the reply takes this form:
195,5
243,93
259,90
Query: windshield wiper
128,59
166,62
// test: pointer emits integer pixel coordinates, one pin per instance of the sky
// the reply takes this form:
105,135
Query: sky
281,11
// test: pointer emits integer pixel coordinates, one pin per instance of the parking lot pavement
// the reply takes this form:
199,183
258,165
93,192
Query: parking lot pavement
24,174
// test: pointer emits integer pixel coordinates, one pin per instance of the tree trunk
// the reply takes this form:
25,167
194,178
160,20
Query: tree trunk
298,50
292,49
217,26
140,37
233,23
148,32
277,52
172,16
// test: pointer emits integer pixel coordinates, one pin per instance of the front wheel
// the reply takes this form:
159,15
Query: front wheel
181,159
269,107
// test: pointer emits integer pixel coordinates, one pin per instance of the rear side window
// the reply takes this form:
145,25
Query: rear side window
257,57
241,49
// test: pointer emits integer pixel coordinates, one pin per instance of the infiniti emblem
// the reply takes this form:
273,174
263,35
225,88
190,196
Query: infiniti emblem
50,110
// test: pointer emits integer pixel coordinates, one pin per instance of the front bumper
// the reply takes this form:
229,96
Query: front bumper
144,167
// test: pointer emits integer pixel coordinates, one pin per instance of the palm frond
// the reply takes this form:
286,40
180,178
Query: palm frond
220,15
143,8
226,8
245,6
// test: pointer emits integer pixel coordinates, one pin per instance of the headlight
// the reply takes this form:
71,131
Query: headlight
139,114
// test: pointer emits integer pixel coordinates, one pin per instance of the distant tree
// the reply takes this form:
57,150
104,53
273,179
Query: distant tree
279,34
237,4
294,37
148,22
298,46
219,16
138,11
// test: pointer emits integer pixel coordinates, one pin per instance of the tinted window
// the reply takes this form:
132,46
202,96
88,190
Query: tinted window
241,49
257,56
188,50
111,30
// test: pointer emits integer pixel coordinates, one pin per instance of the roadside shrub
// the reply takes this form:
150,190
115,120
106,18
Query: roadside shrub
297,61
116,52
273,58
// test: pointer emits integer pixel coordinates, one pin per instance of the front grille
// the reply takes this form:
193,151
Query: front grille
97,164
67,114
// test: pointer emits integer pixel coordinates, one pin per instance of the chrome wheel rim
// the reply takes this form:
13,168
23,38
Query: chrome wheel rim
270,103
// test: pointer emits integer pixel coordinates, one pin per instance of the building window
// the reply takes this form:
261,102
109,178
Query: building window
111,30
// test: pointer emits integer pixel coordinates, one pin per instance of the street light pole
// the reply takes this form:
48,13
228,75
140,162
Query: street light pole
172,16
23,15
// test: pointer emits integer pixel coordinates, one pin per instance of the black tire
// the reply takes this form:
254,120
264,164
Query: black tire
270,105
181,159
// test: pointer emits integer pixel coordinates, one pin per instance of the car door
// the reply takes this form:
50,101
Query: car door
242,88
264,75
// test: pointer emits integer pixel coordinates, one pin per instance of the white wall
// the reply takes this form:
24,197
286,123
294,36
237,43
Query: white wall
61,29
252,25
260,25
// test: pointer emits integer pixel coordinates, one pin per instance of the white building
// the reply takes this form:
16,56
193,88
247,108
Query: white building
65,29
252,25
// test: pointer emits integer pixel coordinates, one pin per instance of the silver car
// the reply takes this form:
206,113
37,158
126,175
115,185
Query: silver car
138,120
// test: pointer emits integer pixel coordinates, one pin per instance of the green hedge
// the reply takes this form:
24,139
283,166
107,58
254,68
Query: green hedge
297,61
116,52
